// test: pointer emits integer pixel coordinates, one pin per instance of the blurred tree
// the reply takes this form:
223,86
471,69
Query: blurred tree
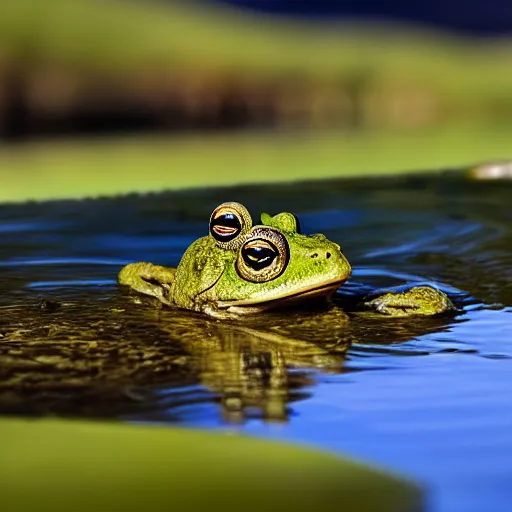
14,123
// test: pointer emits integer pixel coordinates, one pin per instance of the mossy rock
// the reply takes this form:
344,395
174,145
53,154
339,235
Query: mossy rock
62,465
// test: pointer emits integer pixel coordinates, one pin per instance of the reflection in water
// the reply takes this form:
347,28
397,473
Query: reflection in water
247,363
108,357
113,357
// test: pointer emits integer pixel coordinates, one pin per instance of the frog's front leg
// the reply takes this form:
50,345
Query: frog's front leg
422,300
149,279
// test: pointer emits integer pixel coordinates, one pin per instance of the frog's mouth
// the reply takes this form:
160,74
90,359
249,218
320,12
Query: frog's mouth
248,306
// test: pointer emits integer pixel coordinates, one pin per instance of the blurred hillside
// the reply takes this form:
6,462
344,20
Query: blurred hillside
89,66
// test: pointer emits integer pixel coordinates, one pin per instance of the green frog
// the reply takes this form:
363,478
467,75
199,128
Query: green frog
244,269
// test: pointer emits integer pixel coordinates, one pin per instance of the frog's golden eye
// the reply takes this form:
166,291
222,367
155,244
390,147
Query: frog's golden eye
229,224
264,256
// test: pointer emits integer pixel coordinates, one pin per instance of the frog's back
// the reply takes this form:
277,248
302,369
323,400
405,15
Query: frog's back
199,269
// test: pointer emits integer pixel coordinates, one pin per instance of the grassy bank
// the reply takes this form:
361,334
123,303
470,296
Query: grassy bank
75,169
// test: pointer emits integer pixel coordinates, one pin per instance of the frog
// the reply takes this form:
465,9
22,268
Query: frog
241,268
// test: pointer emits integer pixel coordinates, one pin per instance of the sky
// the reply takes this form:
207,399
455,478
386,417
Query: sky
474,17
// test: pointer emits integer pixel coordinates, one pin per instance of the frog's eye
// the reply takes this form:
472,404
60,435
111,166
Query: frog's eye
229,224
264,256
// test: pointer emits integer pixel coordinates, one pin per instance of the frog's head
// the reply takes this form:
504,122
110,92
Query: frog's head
271,263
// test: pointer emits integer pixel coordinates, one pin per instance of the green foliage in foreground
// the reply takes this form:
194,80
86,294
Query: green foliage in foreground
62,465
105,167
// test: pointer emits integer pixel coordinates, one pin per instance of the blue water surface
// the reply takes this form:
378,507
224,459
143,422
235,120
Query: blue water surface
434,404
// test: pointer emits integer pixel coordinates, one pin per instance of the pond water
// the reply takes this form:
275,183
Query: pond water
431,397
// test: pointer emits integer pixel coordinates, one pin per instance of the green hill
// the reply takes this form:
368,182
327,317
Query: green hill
127,36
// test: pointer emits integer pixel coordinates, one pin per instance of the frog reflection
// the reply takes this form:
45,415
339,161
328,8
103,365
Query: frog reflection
258,367
116,357
240,269
248,365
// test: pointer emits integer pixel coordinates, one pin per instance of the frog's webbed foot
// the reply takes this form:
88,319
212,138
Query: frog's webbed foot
418,300
149,279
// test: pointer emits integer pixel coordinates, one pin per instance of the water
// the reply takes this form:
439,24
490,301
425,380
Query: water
428,397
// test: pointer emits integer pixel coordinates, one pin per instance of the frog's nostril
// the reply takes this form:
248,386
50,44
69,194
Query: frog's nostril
314,255
327,255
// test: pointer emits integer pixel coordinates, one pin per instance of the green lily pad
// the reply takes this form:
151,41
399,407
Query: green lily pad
61,465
